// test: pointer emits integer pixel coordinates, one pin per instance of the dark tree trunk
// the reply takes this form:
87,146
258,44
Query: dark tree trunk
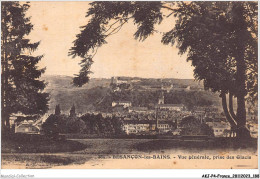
2,97
226,112
241,92
239,22
2,123
242,131
5,124
4,83
231,110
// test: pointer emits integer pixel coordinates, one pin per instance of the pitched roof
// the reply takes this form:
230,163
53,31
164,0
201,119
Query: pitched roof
121,101
139,108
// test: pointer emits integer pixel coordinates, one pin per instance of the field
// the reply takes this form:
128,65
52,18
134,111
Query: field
99,153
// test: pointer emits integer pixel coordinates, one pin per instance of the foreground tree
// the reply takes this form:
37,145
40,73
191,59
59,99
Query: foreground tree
220,39
226,54
22,91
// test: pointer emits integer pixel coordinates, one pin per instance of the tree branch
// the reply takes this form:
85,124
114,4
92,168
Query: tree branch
120,19
115,30
169,8
113,25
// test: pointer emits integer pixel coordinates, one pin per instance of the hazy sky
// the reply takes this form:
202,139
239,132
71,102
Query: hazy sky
57,23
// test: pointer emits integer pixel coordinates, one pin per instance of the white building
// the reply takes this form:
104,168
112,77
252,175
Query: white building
139,127
136,127
165,126
219,128
146,126
125,104
118,80
176,131
138,109
27,127
171,107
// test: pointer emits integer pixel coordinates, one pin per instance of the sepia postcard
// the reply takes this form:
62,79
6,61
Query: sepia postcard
129,85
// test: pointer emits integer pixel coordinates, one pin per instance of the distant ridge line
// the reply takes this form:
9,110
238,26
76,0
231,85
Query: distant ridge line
130,77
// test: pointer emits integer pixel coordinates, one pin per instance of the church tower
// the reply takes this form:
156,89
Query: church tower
161,98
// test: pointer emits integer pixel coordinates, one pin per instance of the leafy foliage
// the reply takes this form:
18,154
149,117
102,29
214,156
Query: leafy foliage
207,32
190,99
107,18
22,91
86,124
96,124
192,126
220,39
54,125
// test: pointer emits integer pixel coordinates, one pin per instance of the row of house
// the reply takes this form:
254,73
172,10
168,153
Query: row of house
170,107
164,115
220,128
127,104
146,126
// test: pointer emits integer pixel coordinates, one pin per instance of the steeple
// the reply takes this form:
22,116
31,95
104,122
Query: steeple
161,98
